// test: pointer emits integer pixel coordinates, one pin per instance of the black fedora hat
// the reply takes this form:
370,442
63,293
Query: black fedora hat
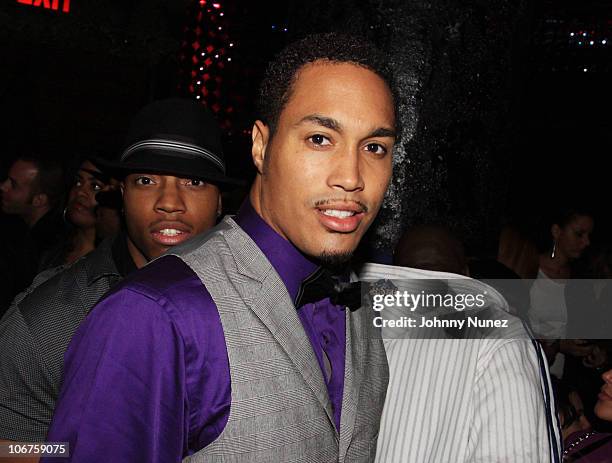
175,136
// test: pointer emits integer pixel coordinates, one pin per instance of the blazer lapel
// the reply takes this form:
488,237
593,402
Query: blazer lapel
275,310
268,298
353,372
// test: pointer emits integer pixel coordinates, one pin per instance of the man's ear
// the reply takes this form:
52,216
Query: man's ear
40,200
555,230
260,137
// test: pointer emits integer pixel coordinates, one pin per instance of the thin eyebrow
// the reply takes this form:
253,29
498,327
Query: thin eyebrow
323,121
383,132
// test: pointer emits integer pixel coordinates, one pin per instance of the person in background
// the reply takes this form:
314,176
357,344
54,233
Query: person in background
518,252
581,442
512,270
32,191
80,216
570,235
431,247
603,406
589,317
168,197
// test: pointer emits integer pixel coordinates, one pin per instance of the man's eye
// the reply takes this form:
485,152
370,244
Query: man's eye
376,148
77,182
143,181
195,182
320,140
96,187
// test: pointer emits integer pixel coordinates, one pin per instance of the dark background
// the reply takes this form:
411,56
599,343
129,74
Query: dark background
501,120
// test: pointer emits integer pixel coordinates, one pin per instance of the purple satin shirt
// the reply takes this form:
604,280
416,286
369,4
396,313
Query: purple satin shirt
146,375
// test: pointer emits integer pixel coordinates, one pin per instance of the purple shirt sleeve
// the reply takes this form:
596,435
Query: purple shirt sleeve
146,375
123,397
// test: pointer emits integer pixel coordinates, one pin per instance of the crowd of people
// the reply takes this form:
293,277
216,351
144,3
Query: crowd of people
140,324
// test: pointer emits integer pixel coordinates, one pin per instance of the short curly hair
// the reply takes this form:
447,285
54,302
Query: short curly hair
277,85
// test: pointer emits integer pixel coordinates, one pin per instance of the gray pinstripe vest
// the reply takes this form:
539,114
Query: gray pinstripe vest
280,410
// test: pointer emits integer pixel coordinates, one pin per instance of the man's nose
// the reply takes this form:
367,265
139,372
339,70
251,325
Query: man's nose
170,199
346,173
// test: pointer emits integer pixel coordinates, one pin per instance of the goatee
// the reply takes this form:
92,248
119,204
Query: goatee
336,262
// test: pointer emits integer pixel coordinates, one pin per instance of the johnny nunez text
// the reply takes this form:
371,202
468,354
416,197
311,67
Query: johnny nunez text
435,322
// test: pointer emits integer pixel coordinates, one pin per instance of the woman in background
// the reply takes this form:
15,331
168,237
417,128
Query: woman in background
80,216
580,442
570,235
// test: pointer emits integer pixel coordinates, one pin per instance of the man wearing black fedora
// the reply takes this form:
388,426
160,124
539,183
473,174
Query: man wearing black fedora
171,170
238,346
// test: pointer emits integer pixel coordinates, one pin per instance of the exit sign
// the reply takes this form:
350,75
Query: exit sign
48,4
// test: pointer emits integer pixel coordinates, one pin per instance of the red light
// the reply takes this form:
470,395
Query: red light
217,5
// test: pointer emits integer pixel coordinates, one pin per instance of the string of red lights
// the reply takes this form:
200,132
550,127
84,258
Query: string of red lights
205,53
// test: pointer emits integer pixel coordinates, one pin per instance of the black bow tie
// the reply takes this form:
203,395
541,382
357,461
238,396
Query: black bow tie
323,284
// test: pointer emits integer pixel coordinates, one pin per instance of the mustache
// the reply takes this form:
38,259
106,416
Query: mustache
327,201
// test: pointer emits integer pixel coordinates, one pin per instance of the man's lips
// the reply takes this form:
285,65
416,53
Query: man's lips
340,217
170,233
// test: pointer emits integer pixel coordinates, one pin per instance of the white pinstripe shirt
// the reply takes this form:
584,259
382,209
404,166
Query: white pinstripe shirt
465,400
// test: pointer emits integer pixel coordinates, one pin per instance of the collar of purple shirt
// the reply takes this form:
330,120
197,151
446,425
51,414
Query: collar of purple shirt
290,264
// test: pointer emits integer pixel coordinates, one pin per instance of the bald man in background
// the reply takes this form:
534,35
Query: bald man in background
431,247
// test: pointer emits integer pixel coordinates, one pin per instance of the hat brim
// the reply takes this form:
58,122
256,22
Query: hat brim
162,164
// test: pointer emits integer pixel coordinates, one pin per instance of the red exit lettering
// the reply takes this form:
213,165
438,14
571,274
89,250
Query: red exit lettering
48,4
